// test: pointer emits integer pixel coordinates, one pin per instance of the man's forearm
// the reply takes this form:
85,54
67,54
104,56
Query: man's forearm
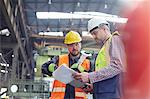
106,73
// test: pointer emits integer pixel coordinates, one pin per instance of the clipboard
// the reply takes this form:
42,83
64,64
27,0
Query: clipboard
64,74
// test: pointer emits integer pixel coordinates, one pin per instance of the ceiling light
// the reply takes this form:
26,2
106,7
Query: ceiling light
51,33
96,14
59,15
80,15
78,4
105,7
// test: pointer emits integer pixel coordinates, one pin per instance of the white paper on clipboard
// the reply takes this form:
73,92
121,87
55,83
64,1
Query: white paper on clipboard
64,74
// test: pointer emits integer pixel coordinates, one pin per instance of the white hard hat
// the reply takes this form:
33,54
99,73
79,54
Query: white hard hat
94,22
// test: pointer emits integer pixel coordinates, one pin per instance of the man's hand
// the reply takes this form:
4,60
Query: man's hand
82,77
88,88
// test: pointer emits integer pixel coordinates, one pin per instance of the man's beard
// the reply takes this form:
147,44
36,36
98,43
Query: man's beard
75,54
99,42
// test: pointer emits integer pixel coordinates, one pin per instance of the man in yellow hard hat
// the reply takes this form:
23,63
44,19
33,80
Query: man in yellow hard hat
109,63
66,91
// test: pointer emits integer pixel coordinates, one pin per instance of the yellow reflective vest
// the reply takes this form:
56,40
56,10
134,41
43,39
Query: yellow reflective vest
103,58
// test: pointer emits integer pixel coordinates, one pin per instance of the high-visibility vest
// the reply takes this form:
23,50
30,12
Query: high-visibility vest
59,88
103,58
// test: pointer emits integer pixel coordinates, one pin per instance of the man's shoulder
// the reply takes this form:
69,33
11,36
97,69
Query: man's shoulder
116,38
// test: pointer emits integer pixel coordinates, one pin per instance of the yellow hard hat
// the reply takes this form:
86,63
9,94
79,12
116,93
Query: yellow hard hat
72,37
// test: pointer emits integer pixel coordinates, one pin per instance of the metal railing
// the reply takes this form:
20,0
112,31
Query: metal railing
29,89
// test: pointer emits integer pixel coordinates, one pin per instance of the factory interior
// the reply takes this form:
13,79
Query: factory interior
32,32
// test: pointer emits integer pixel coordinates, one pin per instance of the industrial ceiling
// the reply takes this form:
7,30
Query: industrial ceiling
35,25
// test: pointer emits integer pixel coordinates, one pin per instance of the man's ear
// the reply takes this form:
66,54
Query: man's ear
105,28
65,45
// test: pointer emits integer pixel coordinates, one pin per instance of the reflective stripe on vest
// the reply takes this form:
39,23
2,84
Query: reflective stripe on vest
103,58
59,87
80,94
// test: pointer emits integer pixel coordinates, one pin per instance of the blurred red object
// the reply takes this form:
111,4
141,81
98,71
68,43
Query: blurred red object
136,37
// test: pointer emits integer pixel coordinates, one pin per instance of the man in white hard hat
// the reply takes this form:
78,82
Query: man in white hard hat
109,63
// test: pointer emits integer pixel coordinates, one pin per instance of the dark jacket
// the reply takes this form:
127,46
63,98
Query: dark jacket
108,89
